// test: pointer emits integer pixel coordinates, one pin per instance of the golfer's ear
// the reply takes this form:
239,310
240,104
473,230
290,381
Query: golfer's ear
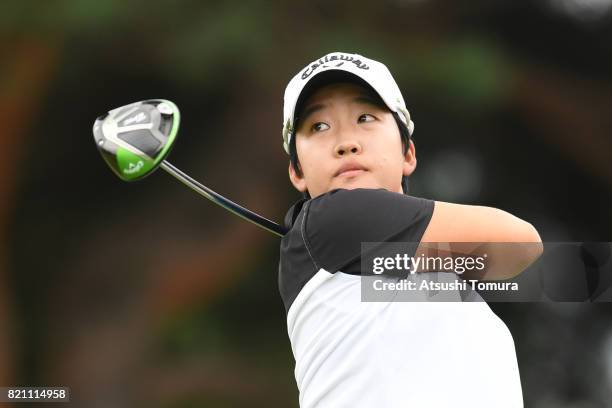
298,181
410,160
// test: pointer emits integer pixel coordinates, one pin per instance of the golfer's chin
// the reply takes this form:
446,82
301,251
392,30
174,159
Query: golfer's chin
354,179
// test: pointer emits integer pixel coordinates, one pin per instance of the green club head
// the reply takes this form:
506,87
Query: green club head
134,139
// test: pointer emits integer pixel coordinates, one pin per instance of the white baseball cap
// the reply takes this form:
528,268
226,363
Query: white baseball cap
351,66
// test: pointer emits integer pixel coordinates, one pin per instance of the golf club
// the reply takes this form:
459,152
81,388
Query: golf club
135,139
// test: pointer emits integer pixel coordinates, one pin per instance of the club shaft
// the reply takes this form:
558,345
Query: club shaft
222,201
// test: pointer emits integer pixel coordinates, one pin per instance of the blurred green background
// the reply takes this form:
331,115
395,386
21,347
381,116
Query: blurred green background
145,295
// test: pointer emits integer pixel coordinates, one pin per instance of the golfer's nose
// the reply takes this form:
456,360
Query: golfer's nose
347,147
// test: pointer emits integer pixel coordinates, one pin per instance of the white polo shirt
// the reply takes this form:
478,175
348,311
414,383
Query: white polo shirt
350,353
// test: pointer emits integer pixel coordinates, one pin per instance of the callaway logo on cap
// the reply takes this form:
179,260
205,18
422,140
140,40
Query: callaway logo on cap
372,72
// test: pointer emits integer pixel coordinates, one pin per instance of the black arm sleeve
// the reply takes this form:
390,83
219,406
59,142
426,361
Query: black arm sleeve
339,221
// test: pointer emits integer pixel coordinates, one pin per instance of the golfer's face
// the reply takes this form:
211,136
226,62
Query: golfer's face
345,140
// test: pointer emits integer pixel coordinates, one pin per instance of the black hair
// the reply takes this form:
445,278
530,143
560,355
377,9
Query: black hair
404,135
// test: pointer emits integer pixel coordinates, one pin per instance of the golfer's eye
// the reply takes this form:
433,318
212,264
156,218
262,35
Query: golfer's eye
366,117
319,126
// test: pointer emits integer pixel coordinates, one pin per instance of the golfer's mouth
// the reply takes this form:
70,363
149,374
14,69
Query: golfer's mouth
350,169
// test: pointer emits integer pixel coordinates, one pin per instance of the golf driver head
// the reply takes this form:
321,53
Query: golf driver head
134,139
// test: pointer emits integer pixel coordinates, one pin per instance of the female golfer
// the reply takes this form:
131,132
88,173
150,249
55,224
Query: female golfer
348,135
